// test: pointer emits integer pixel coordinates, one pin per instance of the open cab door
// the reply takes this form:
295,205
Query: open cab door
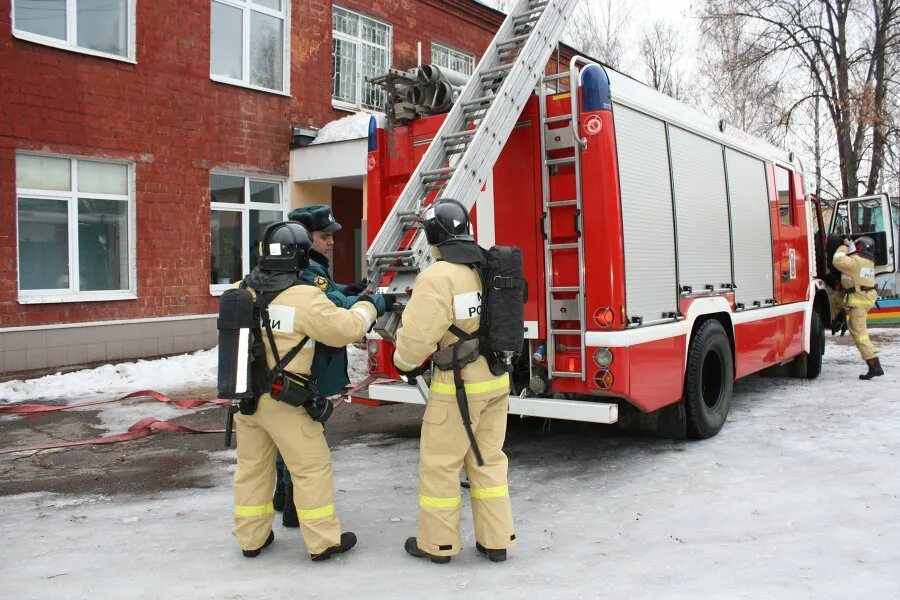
875,217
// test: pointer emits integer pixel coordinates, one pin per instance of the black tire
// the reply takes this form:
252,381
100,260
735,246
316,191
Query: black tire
709,380
816,346
808,366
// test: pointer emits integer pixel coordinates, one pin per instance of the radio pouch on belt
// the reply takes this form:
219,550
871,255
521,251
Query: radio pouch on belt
291,388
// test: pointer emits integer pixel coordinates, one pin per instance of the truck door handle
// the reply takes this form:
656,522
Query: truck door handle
785,275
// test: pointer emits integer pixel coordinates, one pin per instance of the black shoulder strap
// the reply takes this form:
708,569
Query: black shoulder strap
263,301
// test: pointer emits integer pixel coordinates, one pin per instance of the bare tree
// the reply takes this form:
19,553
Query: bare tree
847,48
743,92
660,51
600,30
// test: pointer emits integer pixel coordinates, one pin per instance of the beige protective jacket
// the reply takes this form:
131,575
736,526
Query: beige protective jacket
444,294
305,310
856,272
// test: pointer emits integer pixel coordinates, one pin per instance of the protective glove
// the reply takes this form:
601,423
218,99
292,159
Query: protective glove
355,288
409,377
851,246
376,300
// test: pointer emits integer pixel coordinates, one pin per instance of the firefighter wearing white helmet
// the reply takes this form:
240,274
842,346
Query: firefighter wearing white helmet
292,422
856,262
465,419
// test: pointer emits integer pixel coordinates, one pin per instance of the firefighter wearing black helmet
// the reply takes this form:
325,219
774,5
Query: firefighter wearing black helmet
295,311
447,297
856,262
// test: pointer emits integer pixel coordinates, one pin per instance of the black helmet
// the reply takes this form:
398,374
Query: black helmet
447,221
865,247
285,247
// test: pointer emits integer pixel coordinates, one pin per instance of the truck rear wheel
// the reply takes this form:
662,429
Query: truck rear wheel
808,366
709,379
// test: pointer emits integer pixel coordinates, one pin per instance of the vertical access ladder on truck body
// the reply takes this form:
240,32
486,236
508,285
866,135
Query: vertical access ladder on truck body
465,148
554,139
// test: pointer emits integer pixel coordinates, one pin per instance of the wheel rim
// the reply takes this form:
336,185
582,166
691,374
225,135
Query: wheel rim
712,380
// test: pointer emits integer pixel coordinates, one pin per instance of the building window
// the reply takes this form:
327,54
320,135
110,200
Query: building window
454,60
361,47
242,208
783,183
75,229
247,43
104,27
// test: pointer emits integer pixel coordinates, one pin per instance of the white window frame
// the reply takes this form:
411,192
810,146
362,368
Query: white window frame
246,7
70,43
357,42
450,52
71,196
217,289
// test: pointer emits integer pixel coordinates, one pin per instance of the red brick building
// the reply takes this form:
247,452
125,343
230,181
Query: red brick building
144,144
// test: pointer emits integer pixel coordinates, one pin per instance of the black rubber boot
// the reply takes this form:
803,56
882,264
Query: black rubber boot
348,540
875,369
289,516
412,548
255,553
278,497
492,554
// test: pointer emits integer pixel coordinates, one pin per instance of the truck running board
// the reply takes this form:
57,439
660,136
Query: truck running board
550,408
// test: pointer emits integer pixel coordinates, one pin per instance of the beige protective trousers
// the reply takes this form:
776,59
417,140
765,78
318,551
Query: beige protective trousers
306,454
444,450
856,323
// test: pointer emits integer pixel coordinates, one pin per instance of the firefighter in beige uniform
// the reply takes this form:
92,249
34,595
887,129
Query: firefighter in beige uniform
856,262
296,312
446,294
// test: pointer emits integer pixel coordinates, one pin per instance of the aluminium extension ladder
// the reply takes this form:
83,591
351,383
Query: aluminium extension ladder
465,148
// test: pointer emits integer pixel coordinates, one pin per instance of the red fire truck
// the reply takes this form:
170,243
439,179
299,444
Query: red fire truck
667,253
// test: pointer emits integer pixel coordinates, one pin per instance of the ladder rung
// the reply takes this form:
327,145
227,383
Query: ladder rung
458,134
563,246
433,172
561,203
557,77
560,161
456,150
566,331
558,118
513,40
537,5
526,17
565,288
395,254
480,101
571,374
495,71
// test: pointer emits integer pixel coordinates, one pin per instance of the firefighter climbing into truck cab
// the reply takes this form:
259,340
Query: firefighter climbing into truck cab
288,415
465,419
856,262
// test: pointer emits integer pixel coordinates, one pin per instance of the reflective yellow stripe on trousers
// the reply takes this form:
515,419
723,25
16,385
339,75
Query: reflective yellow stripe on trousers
491,492
258,510
316,513
432,502
481,387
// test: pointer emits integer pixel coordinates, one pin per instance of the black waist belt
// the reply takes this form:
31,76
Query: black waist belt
862,288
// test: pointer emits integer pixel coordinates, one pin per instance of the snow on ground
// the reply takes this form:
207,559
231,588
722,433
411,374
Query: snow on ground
167,375
796,498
